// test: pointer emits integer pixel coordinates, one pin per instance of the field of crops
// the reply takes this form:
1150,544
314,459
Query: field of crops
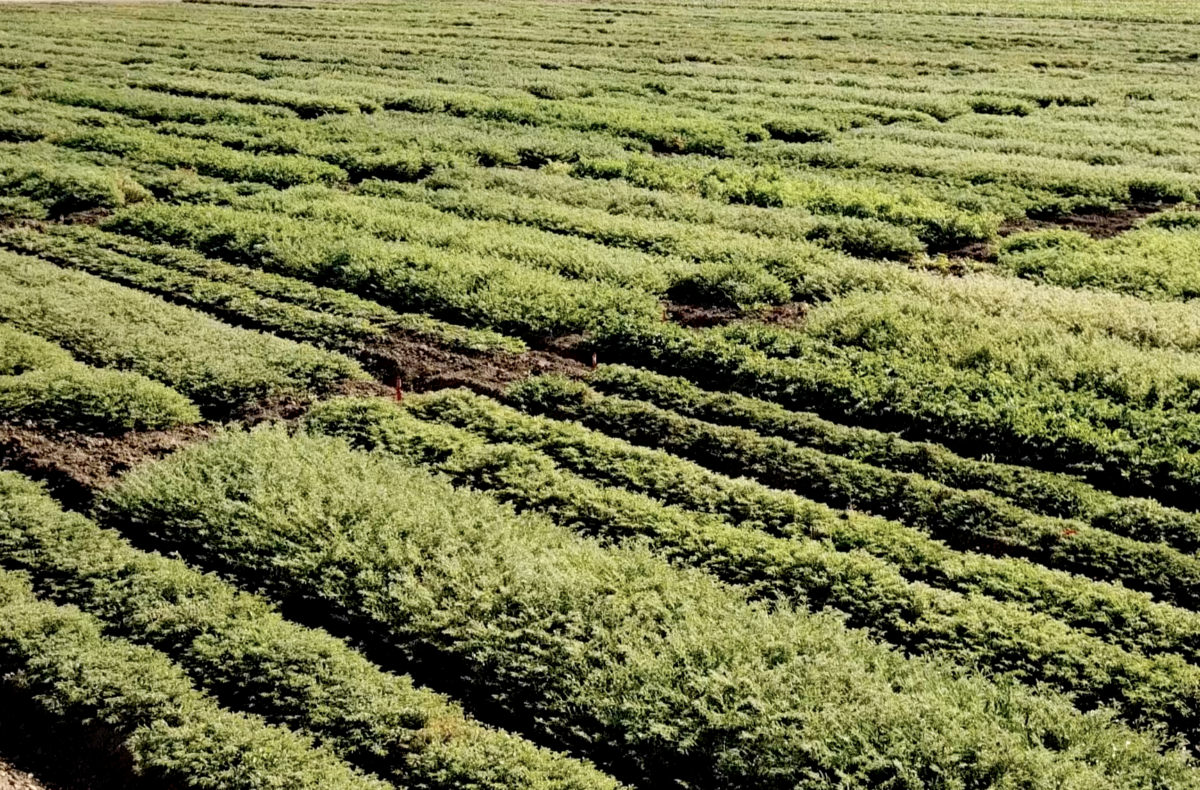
558,395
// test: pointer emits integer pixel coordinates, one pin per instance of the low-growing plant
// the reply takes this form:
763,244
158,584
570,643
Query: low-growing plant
658,674
216,366
237,648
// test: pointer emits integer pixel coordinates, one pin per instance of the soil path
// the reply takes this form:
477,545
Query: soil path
12,779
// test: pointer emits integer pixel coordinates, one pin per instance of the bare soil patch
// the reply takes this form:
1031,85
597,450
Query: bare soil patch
423,366
1097,224
14,779
74,466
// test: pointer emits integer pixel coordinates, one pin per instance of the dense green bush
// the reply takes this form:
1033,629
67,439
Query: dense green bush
968,519
472,289
239,649
210,159
61,184
21,352
286,306
1050,494
1156,261
1037,649
57,657
216,366
77,397
1110,612
658,674
890,371
42,383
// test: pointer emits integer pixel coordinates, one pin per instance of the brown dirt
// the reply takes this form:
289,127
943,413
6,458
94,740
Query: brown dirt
791,314
700,316
424,366
76,465
1097,224
12,779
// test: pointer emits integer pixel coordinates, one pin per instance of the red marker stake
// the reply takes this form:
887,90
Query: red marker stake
399,390
594,363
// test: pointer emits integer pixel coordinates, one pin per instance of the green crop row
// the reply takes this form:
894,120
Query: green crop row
728,280
404,221
41,383
975,520
39,181
658,674
1043,492
1153,262
621,215
216,366
237,648
103,401
283,305
1110,612
1036,649
151,107
210,159
58,658
663,132
937,224
21,353
305,105
973,410
1013,353
471,289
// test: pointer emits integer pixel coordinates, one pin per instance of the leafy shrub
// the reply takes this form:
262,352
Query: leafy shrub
660,674
236,647
21,352
1175,220
1053,495
1036,648
86,399
58,658
1046,240
960,518
105,325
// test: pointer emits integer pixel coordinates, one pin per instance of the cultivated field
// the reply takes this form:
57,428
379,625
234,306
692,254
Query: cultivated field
579,396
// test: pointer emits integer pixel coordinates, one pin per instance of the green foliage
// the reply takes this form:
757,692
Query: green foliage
903,366
208,159
36,174
658,674
105,325
57,656
236,647
1111,612
454,286
1175,220
1042,492
43,384
20,352
1045,240
283,305
1156,261
1037,649
82,398
968,519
